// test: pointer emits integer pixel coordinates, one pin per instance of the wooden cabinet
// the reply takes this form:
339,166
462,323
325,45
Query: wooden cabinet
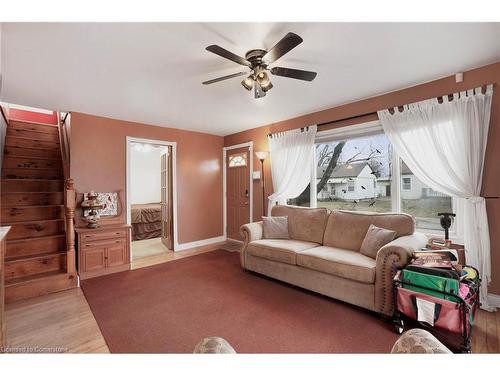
103,250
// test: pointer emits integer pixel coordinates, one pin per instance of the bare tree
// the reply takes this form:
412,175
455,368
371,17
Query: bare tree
332,158
376,167
325,154
332,163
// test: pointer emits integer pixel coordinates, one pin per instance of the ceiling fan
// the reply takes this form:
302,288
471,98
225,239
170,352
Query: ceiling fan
258,61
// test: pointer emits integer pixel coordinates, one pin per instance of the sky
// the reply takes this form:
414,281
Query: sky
364,145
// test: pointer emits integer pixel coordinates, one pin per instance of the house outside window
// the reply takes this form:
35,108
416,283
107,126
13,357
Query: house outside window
350,185
368,176
406,183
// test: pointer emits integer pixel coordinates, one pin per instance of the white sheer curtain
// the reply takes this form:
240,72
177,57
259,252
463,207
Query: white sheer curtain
444,146
291,163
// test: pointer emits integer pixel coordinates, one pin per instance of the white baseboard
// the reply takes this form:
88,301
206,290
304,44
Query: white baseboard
233,240
207,241
494,299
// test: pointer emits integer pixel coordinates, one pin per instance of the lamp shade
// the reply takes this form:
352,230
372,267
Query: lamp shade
261,155
247,83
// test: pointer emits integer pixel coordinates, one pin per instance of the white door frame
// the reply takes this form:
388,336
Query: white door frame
224,179
129,141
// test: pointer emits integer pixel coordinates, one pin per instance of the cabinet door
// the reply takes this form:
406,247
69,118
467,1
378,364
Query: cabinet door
116,256
94,259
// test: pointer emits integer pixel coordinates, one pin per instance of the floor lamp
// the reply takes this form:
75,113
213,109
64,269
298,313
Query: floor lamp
261,155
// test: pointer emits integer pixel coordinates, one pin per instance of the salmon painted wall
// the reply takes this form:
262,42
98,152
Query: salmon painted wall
444,86
98,162
43,118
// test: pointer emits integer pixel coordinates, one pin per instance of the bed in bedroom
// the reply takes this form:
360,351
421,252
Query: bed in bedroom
146,221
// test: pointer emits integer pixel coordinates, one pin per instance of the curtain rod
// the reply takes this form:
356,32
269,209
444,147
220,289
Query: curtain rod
485,85
339,120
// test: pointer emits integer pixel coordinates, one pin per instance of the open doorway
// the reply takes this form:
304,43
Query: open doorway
150,208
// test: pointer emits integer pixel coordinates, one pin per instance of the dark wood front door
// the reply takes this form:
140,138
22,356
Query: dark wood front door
238,191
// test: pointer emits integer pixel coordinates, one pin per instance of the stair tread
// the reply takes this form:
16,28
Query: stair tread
22,178
34,256
36,238
31,192
10,223
36,277
29,179
27,148
40,205
24,147
29,157
33,123
35,169
31,139
43,131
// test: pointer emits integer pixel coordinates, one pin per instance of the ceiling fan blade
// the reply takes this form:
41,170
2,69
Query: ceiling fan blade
304,75
285,45
258,92
224,78
228,55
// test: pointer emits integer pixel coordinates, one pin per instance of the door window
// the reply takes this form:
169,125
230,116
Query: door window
238,160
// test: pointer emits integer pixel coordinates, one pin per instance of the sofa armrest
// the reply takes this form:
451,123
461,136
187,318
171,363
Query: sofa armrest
250,232
391,256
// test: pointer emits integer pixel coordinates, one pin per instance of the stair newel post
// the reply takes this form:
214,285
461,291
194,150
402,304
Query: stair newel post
70,205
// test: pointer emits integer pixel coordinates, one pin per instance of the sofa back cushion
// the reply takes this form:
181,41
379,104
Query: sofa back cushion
347,229
304,224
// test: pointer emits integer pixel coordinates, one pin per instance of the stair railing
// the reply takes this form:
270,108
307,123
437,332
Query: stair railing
69,193
4,116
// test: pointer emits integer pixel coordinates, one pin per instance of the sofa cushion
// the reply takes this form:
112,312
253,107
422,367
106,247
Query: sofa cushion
284,251
375,238
339,262
304,223
347,229
275,227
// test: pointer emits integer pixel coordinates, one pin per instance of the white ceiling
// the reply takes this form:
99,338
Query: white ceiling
152,73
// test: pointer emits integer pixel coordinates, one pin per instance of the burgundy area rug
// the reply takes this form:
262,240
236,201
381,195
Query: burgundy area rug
170,307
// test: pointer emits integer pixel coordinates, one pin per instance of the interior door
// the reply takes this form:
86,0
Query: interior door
237,190
166,199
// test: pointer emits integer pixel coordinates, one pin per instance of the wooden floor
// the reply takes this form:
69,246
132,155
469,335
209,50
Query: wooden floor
55,323
63,322
486,332
147,248
171,255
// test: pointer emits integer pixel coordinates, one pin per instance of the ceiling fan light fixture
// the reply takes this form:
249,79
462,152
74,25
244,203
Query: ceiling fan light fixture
262,77
258,60
268,86
248,83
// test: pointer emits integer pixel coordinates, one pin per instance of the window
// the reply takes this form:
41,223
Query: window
354,171
350,185
238,160
406,183
420,201
361,161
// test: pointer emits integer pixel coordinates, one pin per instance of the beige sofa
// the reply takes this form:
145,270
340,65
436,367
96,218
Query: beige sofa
323,255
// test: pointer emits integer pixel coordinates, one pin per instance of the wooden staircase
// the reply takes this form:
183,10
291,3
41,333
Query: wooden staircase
36,201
